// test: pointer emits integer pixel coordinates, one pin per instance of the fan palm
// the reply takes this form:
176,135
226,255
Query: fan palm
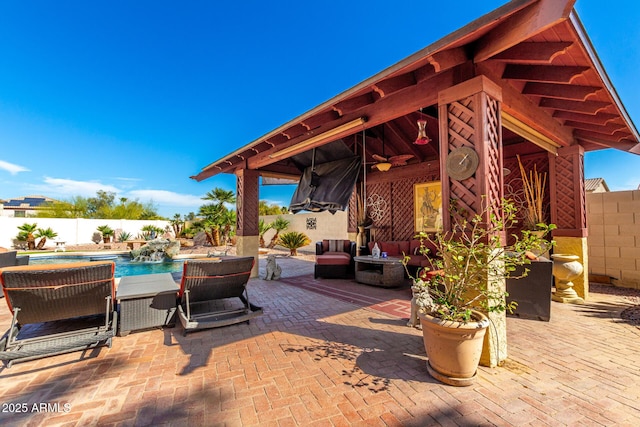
280,224
263,227
44,234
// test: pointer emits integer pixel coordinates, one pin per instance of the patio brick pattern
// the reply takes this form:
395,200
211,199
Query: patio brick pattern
315,360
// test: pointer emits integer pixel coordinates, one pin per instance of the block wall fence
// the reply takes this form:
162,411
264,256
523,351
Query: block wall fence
613,220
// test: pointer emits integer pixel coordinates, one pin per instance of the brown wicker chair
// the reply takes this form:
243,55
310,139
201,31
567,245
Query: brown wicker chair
208,292
57,308
334,262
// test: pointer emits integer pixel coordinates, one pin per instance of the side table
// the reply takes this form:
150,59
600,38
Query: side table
384,272
146,301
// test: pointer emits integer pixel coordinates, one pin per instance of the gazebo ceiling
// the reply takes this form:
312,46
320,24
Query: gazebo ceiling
555,93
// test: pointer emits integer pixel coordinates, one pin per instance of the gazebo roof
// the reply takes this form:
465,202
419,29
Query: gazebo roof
555,93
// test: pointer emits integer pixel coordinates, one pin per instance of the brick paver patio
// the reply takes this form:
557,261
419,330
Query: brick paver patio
314,360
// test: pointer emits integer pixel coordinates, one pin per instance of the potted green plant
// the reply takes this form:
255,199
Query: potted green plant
107,232
466,282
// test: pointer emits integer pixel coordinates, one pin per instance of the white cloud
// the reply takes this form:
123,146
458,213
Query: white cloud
168,198
70,188
11,168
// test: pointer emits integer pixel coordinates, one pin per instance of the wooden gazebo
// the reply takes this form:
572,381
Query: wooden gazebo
522,80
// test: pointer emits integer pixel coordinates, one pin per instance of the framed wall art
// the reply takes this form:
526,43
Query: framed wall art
427,197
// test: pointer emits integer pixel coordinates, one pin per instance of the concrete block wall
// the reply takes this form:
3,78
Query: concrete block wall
613,220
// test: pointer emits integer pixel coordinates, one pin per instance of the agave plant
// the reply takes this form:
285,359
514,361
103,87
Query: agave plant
124,236
293,240
44,234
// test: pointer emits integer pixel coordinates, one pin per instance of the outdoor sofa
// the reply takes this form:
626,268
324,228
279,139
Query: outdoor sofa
334,258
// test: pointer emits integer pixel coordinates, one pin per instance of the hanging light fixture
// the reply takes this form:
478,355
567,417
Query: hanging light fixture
422,138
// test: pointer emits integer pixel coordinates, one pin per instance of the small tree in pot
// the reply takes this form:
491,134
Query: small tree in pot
465,283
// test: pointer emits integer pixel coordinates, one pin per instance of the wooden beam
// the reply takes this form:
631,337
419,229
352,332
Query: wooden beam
350,105
609,129
550,90
618,137
600,118
390,107
533,52
448,59
525,110
542,73
394,84
588,107
319,119
521,26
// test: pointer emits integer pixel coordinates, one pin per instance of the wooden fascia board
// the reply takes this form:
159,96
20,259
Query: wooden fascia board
521,26
522,108
590,51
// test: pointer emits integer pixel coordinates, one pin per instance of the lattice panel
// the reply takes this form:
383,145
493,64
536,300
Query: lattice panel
461,133
583,195
565,190
247,204
460,119
493,162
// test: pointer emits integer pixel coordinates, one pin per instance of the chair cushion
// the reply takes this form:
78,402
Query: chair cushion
335,245
333,258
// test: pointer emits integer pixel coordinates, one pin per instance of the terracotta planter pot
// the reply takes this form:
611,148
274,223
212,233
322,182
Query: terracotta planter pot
453,348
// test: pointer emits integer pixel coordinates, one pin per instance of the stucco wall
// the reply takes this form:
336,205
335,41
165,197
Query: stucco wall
80,231
327,226
613,220
72,231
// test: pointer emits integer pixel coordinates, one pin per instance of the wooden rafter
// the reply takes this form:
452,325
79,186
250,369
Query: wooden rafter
521,26
550,90
542,73
533,53
588,107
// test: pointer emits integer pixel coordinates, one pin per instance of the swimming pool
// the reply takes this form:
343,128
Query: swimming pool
124,265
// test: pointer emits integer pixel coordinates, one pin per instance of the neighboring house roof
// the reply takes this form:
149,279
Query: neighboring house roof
595,185
28,202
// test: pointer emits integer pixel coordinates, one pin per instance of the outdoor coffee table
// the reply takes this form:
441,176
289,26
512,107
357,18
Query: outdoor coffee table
384,272
146,301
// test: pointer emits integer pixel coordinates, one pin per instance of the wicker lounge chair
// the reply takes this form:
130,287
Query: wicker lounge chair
57,308
208,293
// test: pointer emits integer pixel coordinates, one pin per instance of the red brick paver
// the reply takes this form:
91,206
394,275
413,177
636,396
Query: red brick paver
312,359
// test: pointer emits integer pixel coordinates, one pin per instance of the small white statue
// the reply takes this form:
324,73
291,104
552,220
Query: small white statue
273,269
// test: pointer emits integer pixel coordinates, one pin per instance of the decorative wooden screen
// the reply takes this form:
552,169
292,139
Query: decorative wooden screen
247,203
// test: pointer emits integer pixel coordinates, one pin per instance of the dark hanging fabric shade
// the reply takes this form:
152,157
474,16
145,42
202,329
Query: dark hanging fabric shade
326,186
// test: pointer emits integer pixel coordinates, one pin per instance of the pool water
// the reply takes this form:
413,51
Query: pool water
124,265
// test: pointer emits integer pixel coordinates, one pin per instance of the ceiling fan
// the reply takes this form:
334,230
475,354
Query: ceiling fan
384,163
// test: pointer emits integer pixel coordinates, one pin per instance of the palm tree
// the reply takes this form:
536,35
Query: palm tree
279,225
26,233
227,220
216,213
178,225
263,228
43,234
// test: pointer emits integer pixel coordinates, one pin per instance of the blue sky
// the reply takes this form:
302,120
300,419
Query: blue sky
136,96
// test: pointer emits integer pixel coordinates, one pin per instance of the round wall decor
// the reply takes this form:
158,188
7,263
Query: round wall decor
462,163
